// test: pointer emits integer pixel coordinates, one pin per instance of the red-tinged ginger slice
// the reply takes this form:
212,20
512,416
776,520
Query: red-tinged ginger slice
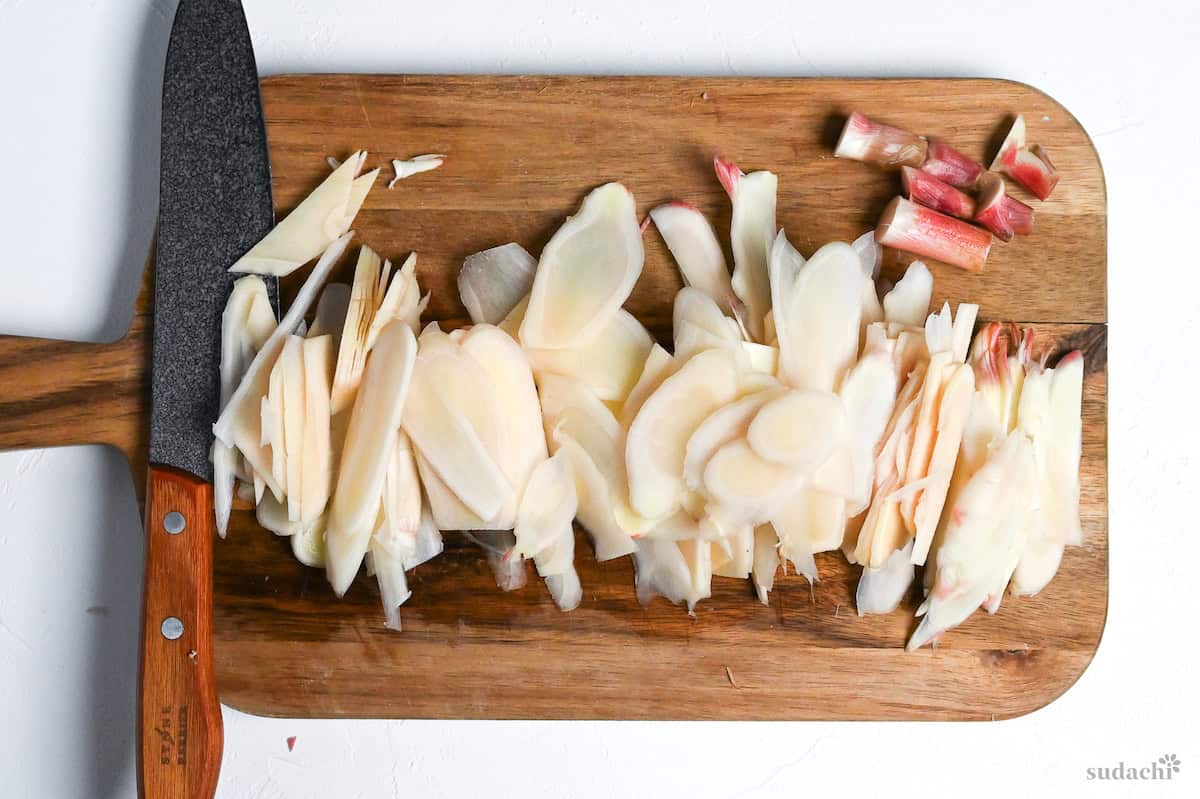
1050,412
1031,170
912,228
1020,215
927,190
1031,167
874,143
983,539
950,166
991,211
751,230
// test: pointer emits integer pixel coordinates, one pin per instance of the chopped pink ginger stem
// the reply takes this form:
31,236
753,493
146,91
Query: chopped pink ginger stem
1013,141
291,742
1020,215
1029,166
875,143
645,224
728,173
990,212
1070,357
950,166
913,228
1030,170
927,190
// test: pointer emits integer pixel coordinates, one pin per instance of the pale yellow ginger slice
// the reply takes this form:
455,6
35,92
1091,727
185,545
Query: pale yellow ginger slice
318,221
274,418
546,512
1050,413
697,555
657,438
402,301
658,367
962,330
870,257
408,167
695,306
693,243
316,453
726,424
493,282
378,407
512,323
543,530
983,539
594,493
770,335
999,358
818,313
243,332
751,229
809,521
586,272
761,357
883,530
745,488
272,515
924,432
908,301
579,425
868,394
453,419
402,506
564,586
738,560
240,424
295,408
660,570
365,298
447,509
799,429
766,560
511,383
609,364
881,590
308,543
691,339
953,408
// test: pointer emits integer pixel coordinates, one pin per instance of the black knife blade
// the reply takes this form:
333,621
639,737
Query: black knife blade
214,204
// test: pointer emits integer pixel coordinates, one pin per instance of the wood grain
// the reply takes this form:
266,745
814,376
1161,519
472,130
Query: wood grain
179,733
522,153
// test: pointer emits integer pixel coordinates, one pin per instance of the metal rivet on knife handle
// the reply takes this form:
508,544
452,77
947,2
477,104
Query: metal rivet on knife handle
174,523
172,628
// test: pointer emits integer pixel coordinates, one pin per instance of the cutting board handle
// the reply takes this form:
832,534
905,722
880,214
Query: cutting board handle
179,716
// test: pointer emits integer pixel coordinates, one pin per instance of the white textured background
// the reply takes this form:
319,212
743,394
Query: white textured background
79,85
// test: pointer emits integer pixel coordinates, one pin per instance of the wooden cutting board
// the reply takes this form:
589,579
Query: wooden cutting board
522,152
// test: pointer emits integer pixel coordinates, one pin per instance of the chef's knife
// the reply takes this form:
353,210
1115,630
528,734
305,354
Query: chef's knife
214,204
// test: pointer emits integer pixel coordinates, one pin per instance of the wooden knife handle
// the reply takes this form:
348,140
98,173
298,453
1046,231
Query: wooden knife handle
180,732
